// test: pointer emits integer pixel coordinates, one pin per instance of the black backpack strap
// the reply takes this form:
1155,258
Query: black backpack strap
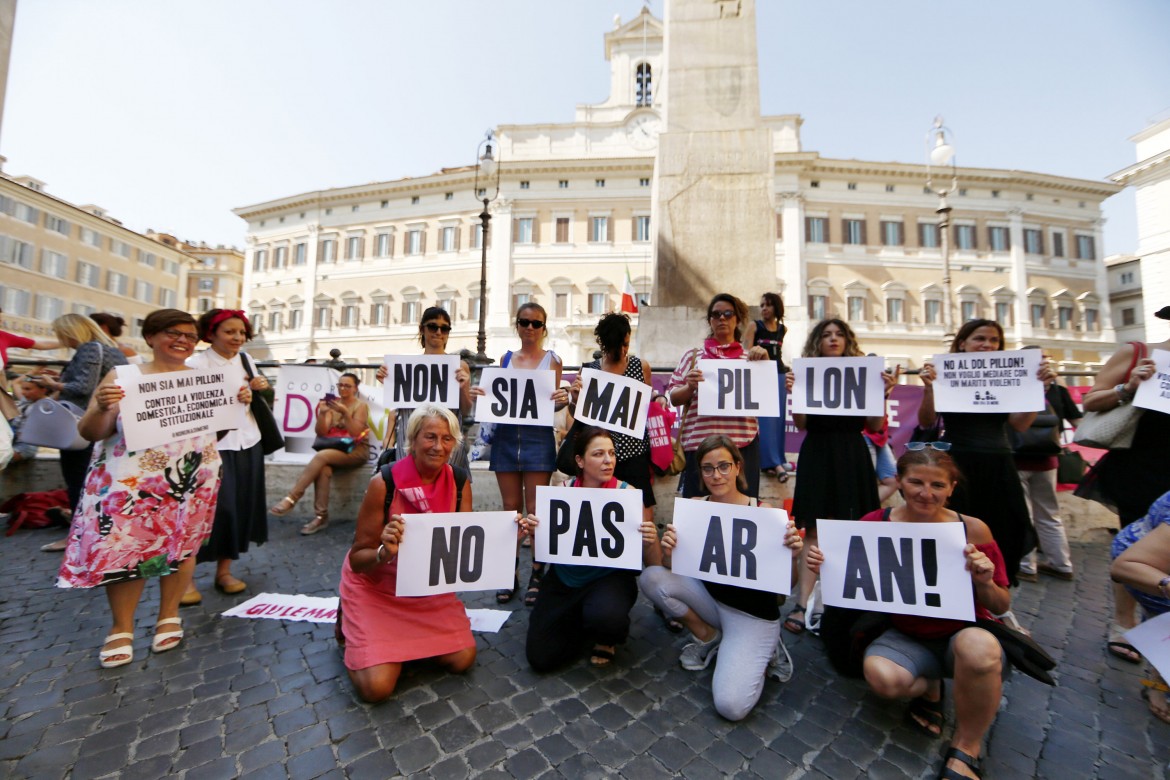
388,477
886,514
461,476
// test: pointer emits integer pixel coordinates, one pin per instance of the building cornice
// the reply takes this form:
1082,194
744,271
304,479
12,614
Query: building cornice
1151,168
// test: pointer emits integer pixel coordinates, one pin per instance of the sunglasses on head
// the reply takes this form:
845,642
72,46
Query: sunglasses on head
918,446
435,327
521,322
722,314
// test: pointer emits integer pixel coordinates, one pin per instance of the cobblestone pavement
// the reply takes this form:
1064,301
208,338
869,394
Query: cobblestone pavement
265,698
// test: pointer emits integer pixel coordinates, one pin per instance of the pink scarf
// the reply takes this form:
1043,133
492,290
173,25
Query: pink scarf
713,349
412,496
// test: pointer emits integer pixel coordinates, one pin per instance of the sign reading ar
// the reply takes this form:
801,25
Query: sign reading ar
456,551
589,526
520,396
613,402
739,388
734,545
412,380
845,387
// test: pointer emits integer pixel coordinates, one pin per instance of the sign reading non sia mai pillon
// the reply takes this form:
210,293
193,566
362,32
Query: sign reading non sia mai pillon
413,380
904,568
613,402
1154,393
176,405
733,545
456,551
845,387
520,396
739,388
589,527
988,381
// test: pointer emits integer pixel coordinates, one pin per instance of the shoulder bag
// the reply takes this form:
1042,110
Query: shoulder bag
50,423
1112,429
678,463
270,438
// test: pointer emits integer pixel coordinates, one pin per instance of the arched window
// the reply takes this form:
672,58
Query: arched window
642,85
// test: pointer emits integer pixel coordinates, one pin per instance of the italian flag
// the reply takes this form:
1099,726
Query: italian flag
629,295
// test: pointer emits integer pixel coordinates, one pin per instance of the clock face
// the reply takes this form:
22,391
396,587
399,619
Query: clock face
642,131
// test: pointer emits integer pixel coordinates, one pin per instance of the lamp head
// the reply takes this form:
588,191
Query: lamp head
941,152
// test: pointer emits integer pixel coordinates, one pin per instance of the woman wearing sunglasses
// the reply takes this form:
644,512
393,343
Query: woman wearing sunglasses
980,447
525,456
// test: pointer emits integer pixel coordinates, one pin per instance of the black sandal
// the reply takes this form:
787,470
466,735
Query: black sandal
533,587
928,716
504,596
795,624
972,763
599,656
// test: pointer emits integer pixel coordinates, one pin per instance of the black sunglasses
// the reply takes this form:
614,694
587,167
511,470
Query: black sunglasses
435,327
722,314
521,322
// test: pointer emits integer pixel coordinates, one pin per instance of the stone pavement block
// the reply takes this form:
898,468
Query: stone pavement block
672,753
214,770
199,754
611,717
56,760
165,744
375,766
526,763
583,733
582,766
434,714
724,757
315,763
453,768
701,769
307,739
416,754
771,765
645,768
556,748
37,721
457,734
271,752
198,732
294,720
611,752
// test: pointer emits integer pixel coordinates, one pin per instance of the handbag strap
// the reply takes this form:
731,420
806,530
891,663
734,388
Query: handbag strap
247,366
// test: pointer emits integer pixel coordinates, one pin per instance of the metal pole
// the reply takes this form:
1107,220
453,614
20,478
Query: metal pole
944,226
485,228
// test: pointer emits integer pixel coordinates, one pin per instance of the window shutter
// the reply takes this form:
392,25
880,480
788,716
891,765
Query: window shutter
863,241
901,230
779,226
515,229
422,242
536,230
609,229
807,227
456,232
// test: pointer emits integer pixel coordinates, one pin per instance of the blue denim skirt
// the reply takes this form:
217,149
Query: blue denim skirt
523,448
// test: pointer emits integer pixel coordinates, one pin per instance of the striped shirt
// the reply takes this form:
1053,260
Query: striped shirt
695,427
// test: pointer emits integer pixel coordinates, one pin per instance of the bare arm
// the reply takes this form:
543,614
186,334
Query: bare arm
370,533
1146,563
927,417
101,416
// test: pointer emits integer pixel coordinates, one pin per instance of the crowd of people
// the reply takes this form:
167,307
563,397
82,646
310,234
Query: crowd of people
156,513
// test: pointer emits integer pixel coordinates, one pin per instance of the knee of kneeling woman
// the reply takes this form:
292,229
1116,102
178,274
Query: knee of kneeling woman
977,651
886,678
373,691
650,583
732,708
462,661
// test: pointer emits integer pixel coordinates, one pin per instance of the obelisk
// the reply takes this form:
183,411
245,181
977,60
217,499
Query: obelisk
712,198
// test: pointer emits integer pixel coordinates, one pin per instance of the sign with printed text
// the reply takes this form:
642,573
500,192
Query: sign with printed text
413,380
1152,639
739,388
520,396
176,405
287,606
733,545
456,551
589,527
1154,393
844,386
298,391
613,402
988,381
903,568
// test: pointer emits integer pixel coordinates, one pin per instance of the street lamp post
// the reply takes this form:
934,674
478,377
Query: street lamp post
940,154
487,188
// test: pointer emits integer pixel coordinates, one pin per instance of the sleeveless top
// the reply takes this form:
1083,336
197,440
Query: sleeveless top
772,341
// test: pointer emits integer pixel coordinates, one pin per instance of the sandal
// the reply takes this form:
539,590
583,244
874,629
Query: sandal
503,596
282,507
533,590
1153,686
928,716
318,523
104,655
1121,648
167,640
228,584
601,655
970,761
794,624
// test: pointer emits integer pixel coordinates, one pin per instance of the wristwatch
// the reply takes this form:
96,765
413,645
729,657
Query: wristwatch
1123,395
1164,586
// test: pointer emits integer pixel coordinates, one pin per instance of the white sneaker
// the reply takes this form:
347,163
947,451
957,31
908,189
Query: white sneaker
698,655
1009,619
780,667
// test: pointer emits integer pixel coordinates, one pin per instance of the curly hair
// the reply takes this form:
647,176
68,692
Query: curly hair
812,345
611,332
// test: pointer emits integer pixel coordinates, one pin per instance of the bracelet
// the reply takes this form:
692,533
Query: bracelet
1164,585
378,554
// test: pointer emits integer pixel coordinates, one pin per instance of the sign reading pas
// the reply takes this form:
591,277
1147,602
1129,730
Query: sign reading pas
589,527
738,388
520,396
845,387
413,380
733,545
613,402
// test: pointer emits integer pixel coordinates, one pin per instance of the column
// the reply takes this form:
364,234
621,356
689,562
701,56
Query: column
499,276
1101,285
792,268
1020,312
309,289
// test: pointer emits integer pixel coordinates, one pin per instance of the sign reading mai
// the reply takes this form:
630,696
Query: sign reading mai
613,402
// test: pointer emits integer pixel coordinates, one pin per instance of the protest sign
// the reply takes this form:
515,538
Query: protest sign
298,390
1152,639
1002,381
589,527
456,551
413,380
739,388
1154,393
733,545
613,402
175,405
519,396
903,568
659,421
283,606
844,386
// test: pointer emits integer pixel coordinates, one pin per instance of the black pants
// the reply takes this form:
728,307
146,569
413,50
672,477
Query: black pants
565,619
74,465
693,484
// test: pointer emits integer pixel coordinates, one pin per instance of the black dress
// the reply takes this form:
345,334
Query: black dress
1129,481
990,488
835,479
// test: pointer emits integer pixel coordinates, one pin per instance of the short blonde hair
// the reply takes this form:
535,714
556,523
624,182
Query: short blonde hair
80,329
429,411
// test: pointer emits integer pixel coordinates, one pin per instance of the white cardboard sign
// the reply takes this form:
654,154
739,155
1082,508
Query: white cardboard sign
739,388
520,396
175,405
589,527
733,545
613,402
413,380
1152,639
456,551
839,386
287,606
1003,381
903,568
1154,393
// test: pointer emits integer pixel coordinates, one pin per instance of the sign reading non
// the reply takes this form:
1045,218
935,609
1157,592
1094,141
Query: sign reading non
844,387
456,551
739,388
1154,393
413,380
613,402
988,381
589,526
734,545
175,405
520,396
903,568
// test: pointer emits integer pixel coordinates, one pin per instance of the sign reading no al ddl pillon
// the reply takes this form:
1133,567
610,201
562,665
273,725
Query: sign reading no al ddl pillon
988,381
413,380
176,405
845,387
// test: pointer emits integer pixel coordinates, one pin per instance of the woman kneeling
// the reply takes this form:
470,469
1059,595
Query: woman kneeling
910,660
382,630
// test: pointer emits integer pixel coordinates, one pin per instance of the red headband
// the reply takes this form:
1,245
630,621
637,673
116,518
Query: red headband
225,314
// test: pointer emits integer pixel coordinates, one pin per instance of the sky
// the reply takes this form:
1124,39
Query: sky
170,114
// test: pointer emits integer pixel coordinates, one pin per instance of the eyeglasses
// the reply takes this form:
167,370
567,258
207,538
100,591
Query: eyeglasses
521,322
723,468
919,446
180,335
722,314
435,327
